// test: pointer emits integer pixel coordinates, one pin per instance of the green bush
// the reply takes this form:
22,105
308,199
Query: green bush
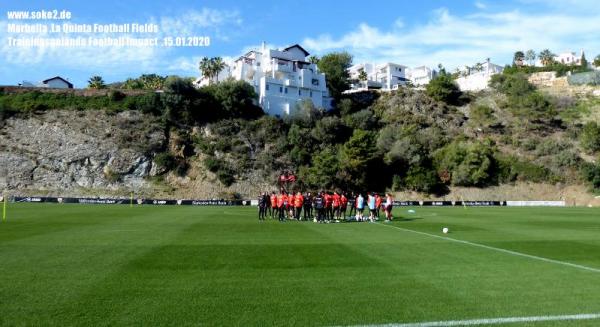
305,114
149,103
226,176
181,167
529,143
591,174
590,137
511,169
115,95
364,119
567,158
115,101
481,115
212,164
550,147
397,183
469,164
443,88
322,174
512,85
165,160
421,179
234,99
330,130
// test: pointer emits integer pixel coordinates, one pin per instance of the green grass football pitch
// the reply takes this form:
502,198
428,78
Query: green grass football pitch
100,265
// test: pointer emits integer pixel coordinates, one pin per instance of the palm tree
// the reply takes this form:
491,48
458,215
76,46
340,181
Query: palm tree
96,82
530,56
313,59
546,57
362,76
217,65
205,68
478,67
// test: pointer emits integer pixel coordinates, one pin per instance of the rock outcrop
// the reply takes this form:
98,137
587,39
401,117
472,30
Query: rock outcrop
63,151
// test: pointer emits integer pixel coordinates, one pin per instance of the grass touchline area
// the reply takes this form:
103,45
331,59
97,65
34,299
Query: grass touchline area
491,321
498,249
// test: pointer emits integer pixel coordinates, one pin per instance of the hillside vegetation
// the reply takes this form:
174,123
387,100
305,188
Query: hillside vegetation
407,140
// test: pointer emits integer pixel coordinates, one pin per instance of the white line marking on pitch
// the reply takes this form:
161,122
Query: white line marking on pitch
530,256
490,321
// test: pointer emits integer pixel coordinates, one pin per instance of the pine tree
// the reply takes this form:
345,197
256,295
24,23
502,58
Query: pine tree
583,62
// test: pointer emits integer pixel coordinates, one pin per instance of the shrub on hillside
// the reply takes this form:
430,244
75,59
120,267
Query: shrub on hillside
591,174
443,88
364,119
236,99
115,95
481,115
212,164
322,173
330,130
550,147
590,137
149,103
165,161
566,159
514,85
511,169
421,179
469,164
226,176
305,114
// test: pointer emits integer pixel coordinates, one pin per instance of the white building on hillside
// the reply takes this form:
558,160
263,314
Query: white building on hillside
386,77
421,75
281,78
355,72
477,78
569,58
390,75
55,82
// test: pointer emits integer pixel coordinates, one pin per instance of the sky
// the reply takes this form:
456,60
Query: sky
412,33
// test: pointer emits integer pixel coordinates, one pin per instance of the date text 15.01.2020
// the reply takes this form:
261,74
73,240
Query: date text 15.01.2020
186,41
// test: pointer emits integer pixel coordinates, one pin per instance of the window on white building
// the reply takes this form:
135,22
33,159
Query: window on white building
286,90
267,87
299,92
311,94
281,89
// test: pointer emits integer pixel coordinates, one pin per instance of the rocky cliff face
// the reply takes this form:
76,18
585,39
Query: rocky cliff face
63,152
